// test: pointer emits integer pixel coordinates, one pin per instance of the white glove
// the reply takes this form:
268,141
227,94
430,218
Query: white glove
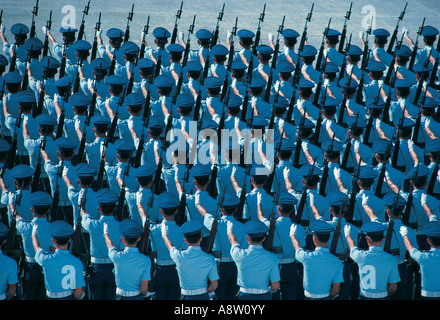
44,28
286,172
328,124
403,231
304,146
405,31
433,218
211,295
229,226
361,34
156,145
181,35
229,35
34,229
105,228
293,229
234,169
423,199
98,32
312,198
270,36
259,198
356,146
260,144
364,199
337,173
163,229
236,122
347,230
281,124
410,145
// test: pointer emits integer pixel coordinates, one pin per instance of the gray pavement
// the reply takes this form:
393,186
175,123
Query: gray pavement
162,13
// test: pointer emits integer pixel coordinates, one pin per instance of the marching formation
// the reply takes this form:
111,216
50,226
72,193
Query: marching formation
190,169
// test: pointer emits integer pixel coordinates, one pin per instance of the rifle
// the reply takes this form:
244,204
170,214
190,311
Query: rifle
46,38
323,183
101,170
370,119
10,161
386,109
145,247
299,141
146,119
240,208
354,191
416,47
95,40
433,179
213,231
56,193
25,81
274,62
258,34
121,201
60,127
37,172
76,239
268,243
344,100
344,62
344,30
303,199
397,143
297,75
159,168
144,32
291,107
230,60
409,201
347,150
81,28
127,29
433,73
321,49
77,79
390,229
421,82
41,97
378,191
188,43
319,120
10,238
90,114
336,234
111,131
215,33
34,14
178,14
246,95
181,216
394,36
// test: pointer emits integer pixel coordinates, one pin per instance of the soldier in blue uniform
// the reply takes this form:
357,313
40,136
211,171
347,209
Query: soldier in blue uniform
428,260
194,266
8,268
290,269
132,269
161,36
228,204
33,280
319,262
59,285
58,50
166,279
102,278
20,31
378,270
65,152
258,274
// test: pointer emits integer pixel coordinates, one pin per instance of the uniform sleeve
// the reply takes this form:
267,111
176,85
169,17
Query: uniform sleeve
85,222
213,273
146,275
300,255
79,279
394,275
339,273
12,272
274,274
208,221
